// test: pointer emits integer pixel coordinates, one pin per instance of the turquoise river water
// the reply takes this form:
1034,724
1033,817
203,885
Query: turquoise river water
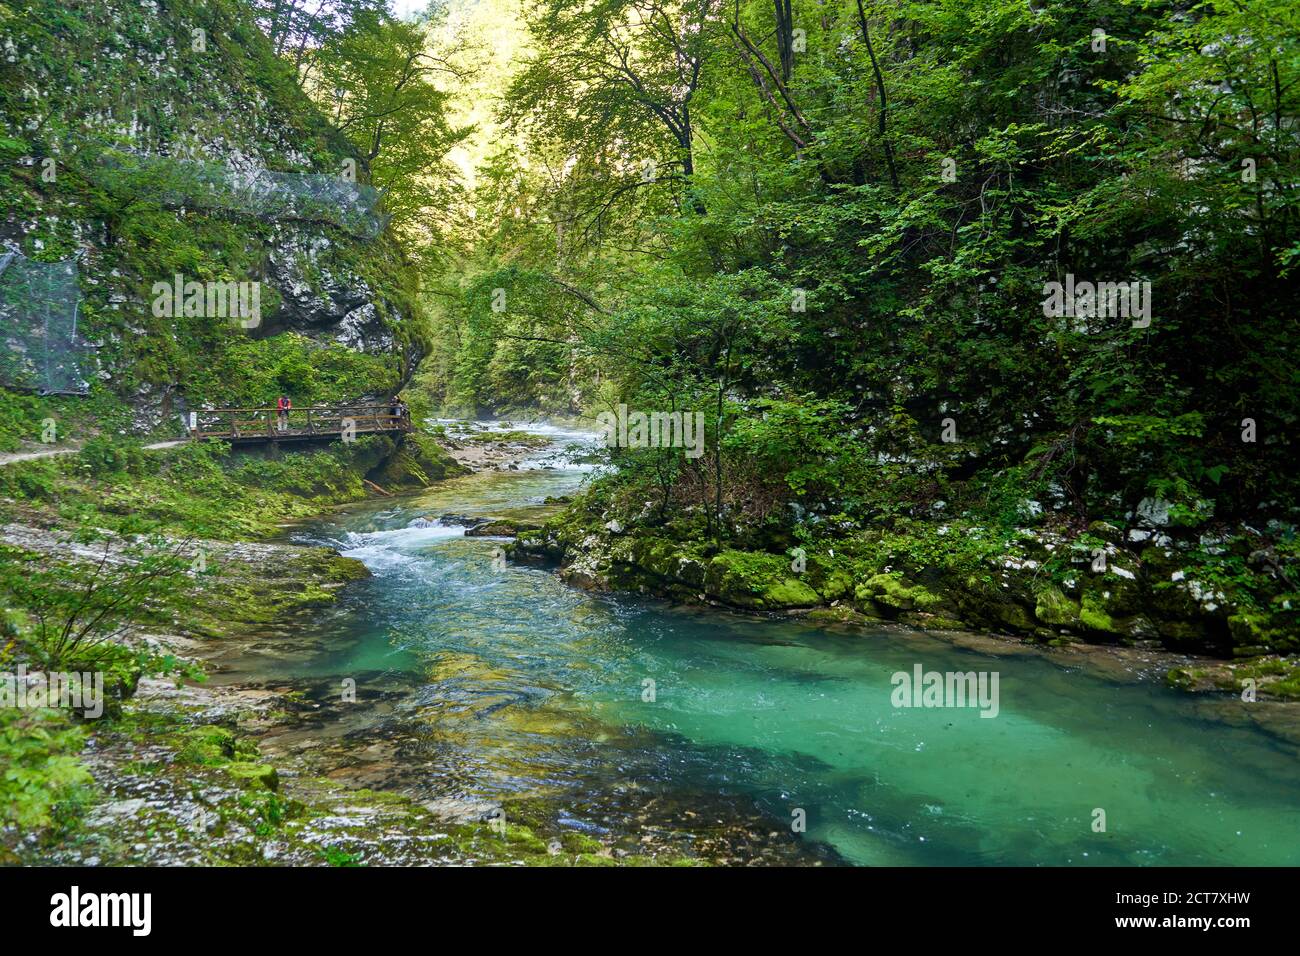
504,683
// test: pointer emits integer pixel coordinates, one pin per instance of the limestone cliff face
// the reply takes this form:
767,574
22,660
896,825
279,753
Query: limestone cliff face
150,139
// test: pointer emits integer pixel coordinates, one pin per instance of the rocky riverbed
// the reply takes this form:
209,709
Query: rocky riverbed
300,749
184,775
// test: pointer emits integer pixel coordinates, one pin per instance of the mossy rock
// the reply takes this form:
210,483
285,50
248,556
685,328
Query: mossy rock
254,776
536,547
1117,591
1106,531
659,556
981,602
758,581
1054,608
1172,599
1094,616
841,614
418,462
501,528
580,843
666,560
930,622
1276,676
828,579
1261,631
1183,632
1013,616
788,592
891,591
207,745
325,565
524,840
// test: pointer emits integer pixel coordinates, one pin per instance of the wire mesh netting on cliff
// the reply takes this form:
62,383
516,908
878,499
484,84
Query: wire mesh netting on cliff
39,348
266,195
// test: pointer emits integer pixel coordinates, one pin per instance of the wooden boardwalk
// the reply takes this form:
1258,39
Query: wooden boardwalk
251,425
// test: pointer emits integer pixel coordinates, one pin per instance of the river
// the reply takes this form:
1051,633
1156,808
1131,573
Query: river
744,740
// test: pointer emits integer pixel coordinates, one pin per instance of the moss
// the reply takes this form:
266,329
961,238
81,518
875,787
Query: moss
254,776
1260,633
575,842
418,462
1012,615
940,575
209,746
191,766
1277,677
1105,531
891,591
787,592
840,614
1053,607
501,528
829,578
1274,677
194,490
931,622
1093,615
243,594
756,580
523,839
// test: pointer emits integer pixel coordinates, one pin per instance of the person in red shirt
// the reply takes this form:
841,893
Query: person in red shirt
282,412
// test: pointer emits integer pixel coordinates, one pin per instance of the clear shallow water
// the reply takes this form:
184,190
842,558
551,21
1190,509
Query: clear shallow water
513,684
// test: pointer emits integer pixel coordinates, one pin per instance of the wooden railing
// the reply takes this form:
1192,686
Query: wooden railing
267,424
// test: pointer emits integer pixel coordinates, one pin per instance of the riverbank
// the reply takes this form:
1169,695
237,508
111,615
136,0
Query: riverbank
1144,587
632,717
175,773
178,777
390,704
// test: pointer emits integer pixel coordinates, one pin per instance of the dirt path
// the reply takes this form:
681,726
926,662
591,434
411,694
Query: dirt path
9,458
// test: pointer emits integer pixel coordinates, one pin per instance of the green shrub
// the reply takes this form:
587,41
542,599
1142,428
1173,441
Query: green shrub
107,455
39,768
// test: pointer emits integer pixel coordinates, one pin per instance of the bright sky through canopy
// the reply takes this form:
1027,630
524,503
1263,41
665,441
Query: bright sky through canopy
406,8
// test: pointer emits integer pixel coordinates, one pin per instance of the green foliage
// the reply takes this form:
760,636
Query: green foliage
106,455
377,79
20,417
193,490
39,768
113,201
843,258
804,444
34,480
80,607
254,372
330,474
338,857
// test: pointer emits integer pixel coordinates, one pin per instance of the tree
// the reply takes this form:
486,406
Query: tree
378,82
618,77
